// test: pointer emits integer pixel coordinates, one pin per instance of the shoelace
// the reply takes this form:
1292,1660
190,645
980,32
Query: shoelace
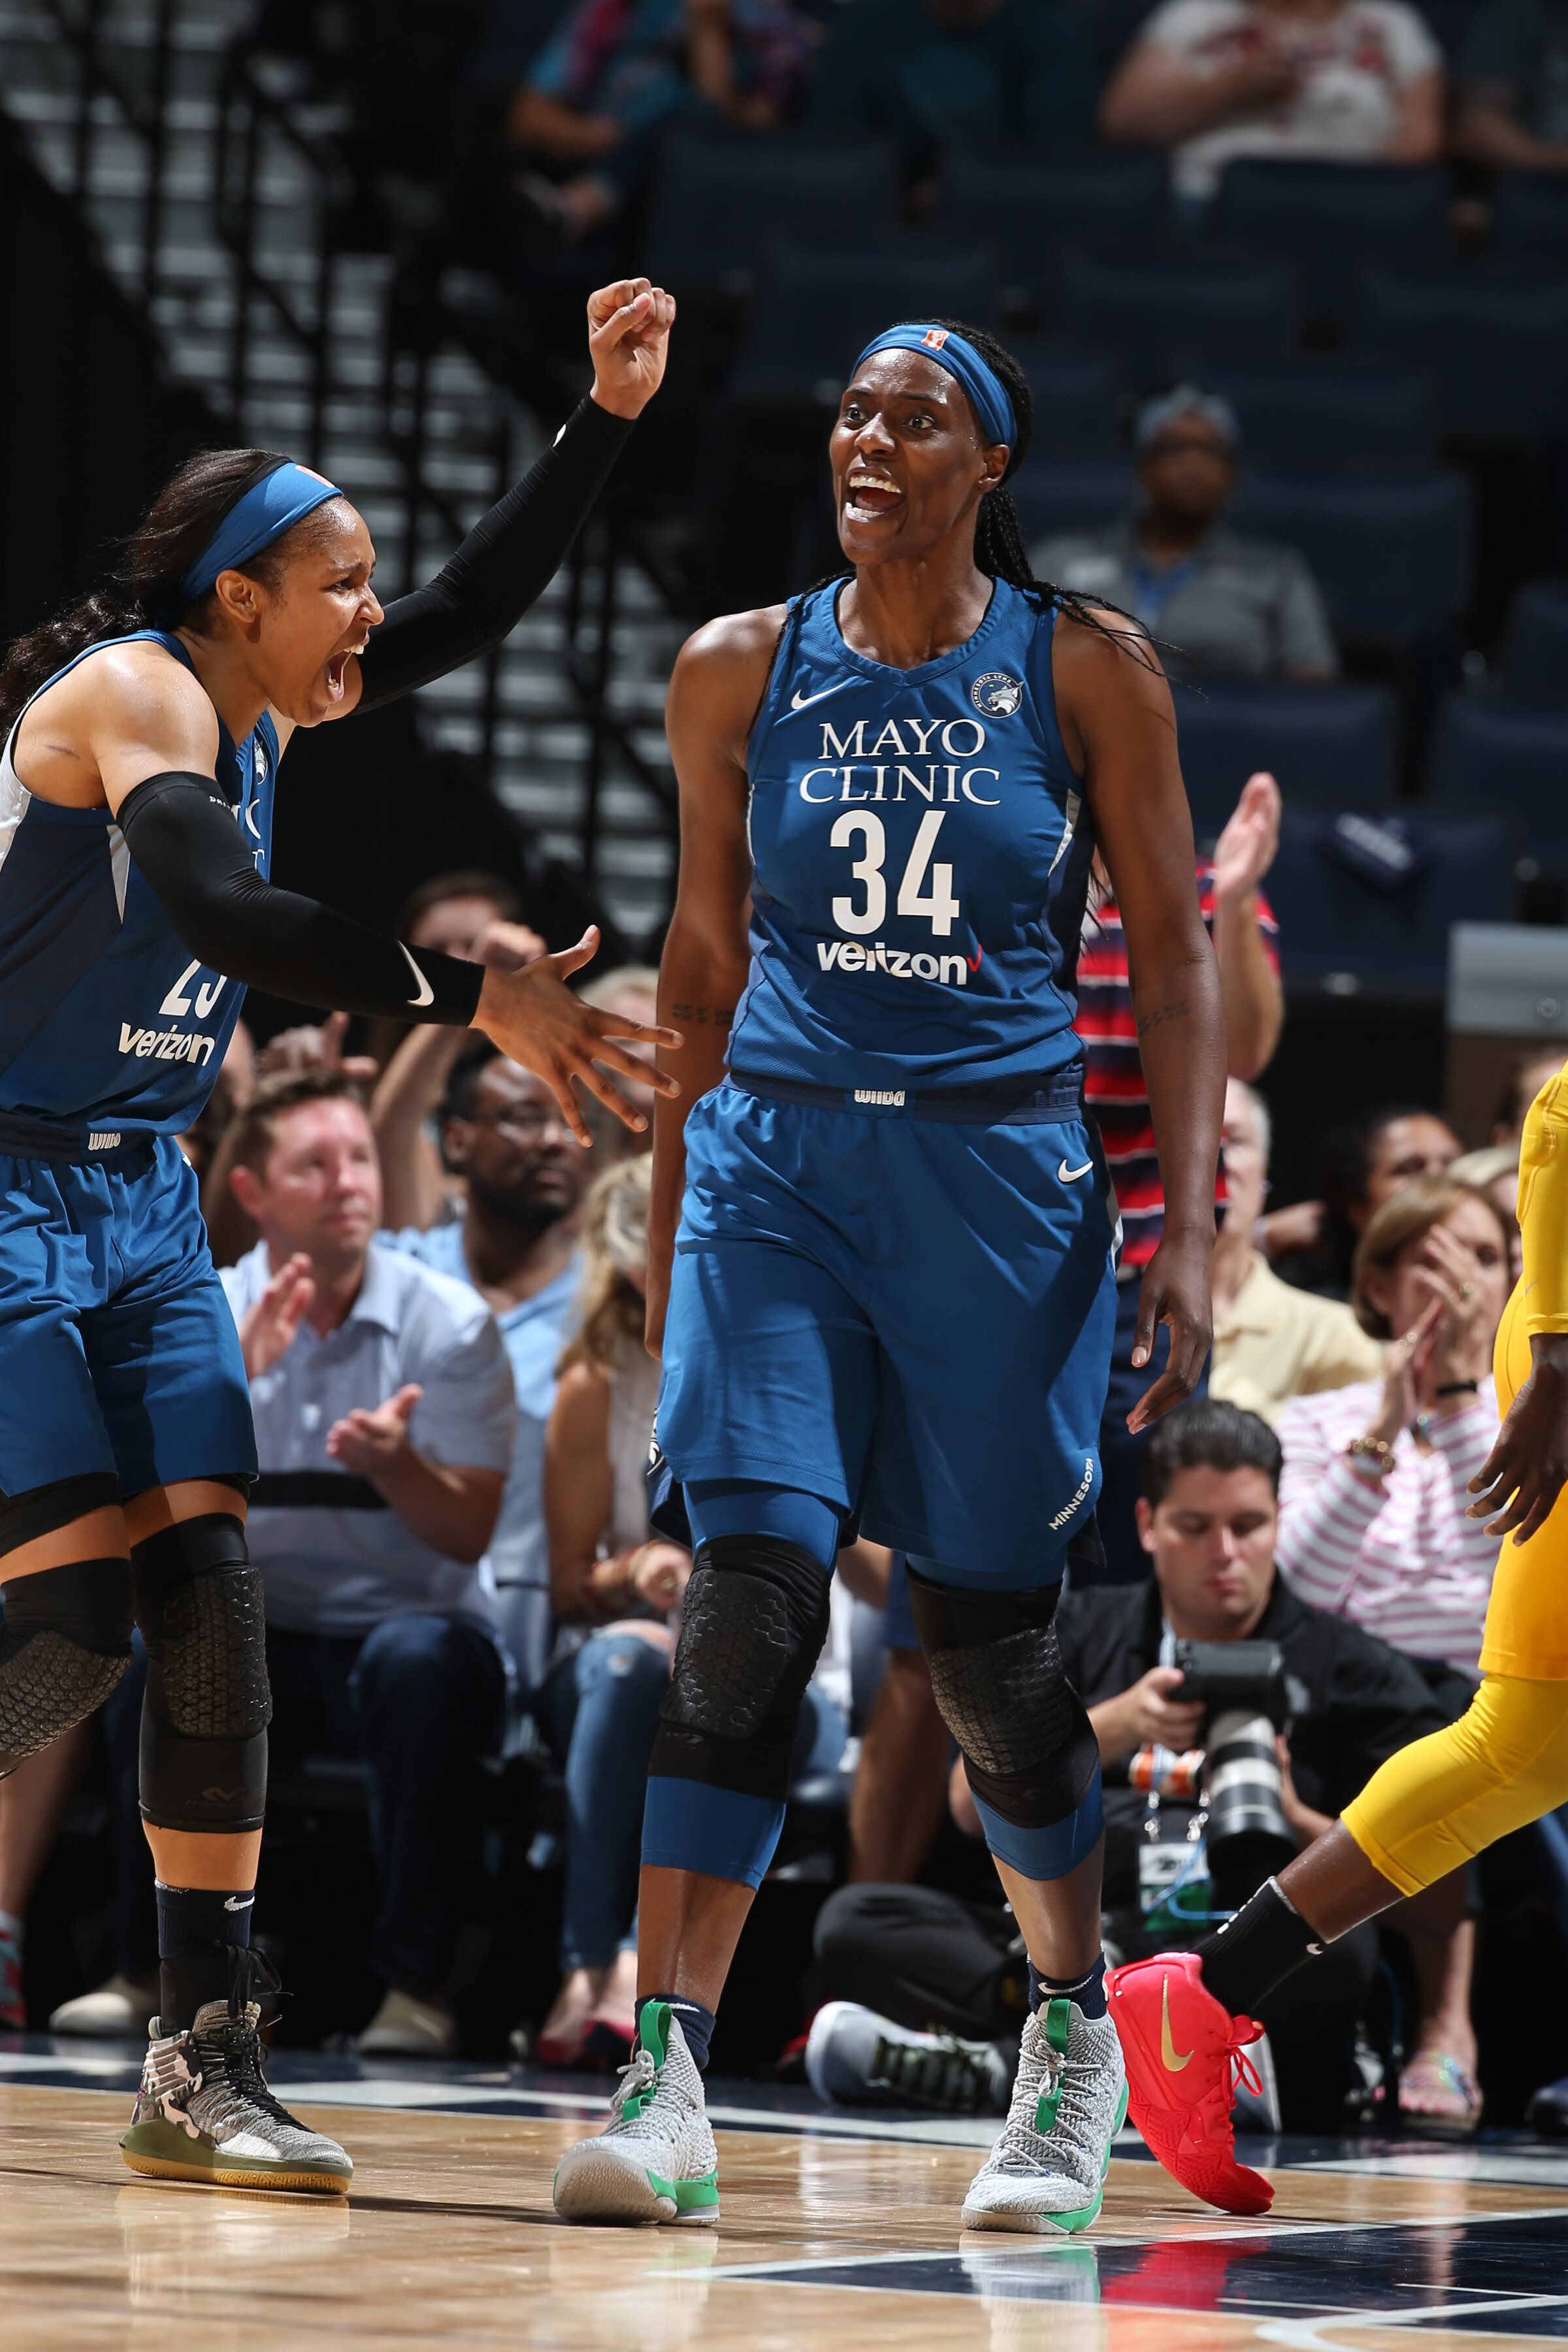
950,2075
1217,2108
1072,2113
232,2056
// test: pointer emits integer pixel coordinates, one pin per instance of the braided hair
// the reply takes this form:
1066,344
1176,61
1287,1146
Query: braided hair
999,547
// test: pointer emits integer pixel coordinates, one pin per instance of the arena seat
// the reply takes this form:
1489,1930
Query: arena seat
1530,218
1390,554
1325,743
1034,207
1159,312
1075,395
1344,935
1338,411
1511,757
1331,219
1070,494
819,303
1535,653
719,197
1496,340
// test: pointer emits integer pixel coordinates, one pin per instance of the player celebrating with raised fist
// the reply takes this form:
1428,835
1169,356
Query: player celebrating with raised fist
884,1235
142,737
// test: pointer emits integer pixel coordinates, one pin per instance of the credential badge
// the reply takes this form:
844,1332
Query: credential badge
997,694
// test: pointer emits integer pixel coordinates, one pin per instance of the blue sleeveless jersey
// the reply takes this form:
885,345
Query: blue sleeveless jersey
109,1029
920,856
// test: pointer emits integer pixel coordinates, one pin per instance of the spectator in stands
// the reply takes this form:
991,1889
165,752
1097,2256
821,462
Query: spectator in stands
1494,1170
1208,1520
1271,1342
456,913
1525,1079
1364,1162
384,1420
934,74
599,1705
1514,88
1242,928
615,71
1331,80
631,990
1221,605
516,1246
1373,1499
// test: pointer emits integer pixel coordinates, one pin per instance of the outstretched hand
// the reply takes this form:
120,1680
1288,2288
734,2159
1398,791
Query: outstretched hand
1529,1463
1176,1292
1250,841
532,1016
628,341
267,1329
368,1441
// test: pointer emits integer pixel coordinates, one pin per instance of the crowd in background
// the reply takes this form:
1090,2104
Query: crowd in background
438,1293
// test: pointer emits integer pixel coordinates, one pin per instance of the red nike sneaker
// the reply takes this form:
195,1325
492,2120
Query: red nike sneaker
1170,2023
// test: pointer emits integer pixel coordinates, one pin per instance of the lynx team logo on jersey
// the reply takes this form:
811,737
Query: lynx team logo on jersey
997,694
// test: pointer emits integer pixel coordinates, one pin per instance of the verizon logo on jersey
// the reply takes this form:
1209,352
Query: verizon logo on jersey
166,1045
848,955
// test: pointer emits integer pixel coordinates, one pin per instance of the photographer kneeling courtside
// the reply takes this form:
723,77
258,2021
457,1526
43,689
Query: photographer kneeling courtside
1235,1722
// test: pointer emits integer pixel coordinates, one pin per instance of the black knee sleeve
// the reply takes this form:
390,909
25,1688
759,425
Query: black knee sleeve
997,1677
204,1717
65,1644
755,1622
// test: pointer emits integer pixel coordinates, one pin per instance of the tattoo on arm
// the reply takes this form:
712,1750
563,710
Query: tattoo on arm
702,1015
1177,1012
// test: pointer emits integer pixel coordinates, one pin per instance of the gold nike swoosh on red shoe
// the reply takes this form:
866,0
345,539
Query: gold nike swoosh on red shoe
1173,2063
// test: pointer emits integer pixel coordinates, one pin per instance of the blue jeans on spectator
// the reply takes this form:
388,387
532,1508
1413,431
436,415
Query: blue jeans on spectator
1121,1454
419,1699
598,1711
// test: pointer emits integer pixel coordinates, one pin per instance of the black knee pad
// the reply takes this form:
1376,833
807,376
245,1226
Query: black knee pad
204,1721
754,1621
65,1644
997,1677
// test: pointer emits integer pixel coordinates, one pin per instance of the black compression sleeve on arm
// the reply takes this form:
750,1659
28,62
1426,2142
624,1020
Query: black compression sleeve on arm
503,566
185,839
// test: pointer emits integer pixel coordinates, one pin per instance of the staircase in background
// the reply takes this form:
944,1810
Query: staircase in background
164,64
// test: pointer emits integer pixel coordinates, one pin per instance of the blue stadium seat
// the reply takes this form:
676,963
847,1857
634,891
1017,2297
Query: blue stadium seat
1071,494
1310,412
819,304
1392,555
1511,757
1331,219
1328,743
1535,656
1530,218
1075,395
1496,341
1159,312
1032,207
718,200
1338,929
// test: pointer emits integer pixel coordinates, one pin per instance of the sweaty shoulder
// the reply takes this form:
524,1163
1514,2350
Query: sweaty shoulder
722,674
124,713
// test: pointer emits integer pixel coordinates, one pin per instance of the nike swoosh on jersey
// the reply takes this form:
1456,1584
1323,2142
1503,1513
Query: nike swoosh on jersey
1066,1175
803,702
1173,2064
426,994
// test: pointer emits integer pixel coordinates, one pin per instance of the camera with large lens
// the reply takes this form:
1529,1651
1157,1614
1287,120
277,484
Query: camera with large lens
1247,1693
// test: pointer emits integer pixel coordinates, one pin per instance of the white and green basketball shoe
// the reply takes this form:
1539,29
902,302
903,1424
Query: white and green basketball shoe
655,2161
1048,2170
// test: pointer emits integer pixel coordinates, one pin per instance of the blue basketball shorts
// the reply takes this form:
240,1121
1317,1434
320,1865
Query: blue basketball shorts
908,1318
118,1351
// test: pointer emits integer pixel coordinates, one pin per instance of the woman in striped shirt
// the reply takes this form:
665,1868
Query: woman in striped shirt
1373,1505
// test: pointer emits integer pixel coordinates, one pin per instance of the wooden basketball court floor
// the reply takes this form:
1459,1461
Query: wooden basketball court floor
838,2230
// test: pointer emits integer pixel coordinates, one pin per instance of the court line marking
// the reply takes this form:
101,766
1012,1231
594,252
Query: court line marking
1303,2335
1269,2230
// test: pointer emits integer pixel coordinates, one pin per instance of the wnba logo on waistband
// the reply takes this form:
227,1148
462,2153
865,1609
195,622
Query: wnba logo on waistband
997,694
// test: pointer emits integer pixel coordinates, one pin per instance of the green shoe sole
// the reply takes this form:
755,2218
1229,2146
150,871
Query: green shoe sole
161,2151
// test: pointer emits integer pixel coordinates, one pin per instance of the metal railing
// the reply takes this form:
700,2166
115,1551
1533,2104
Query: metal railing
144,110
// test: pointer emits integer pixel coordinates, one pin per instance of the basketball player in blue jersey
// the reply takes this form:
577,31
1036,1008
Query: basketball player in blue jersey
884,1234
142,737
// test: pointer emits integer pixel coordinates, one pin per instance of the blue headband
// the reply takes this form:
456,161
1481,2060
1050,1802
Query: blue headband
983,385
267,510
